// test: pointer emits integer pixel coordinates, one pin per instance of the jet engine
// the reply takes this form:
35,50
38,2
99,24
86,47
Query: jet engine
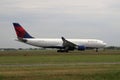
81,48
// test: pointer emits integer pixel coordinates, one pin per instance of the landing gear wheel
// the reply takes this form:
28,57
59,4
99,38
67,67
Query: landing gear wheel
62,50
96,49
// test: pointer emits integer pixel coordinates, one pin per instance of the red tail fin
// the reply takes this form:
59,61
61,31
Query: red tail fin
20,31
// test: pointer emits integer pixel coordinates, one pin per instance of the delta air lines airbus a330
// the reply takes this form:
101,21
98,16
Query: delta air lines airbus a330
63,45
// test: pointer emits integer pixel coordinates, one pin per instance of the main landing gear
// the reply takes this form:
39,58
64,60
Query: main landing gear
62,50
96,49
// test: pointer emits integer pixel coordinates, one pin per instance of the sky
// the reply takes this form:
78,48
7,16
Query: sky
96,19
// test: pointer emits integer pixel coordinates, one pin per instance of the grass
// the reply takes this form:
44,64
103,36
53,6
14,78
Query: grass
58,59
83,72
61,68
32,57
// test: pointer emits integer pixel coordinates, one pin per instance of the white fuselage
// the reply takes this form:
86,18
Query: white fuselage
92,43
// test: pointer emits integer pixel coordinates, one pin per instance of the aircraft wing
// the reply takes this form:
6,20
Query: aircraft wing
68,45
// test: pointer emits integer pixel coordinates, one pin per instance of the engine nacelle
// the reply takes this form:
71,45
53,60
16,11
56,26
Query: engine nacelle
82,48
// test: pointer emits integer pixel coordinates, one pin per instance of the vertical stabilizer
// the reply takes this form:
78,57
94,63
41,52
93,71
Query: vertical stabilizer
20,31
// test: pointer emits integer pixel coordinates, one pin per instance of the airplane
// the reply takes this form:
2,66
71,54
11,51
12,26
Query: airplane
62,45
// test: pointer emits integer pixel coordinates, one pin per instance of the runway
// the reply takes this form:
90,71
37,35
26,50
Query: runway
60,64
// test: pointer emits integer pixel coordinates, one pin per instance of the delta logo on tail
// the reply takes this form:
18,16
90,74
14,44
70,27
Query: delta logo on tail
20,31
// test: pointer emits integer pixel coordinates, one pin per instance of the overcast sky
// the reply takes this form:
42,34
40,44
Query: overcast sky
99,19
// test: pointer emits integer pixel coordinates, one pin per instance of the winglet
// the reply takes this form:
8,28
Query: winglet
63,38
20,31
